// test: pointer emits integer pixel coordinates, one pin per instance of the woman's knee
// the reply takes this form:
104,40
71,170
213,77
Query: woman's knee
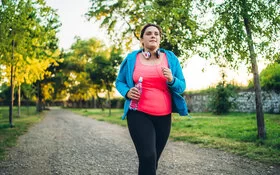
148,157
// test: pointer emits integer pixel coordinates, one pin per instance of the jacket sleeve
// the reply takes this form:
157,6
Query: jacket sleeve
178,84
121,81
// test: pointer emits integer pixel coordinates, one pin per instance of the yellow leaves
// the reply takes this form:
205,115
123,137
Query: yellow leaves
37,69
35,42
53,54
47,91
29,70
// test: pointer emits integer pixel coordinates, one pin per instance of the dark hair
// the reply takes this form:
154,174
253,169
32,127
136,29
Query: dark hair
149,25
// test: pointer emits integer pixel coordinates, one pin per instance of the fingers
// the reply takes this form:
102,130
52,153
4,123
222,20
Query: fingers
133,94
167,73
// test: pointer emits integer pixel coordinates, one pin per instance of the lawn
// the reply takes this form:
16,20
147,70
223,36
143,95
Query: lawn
9,136
235,132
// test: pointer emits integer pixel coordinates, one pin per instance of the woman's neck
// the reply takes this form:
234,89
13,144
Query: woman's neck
150,50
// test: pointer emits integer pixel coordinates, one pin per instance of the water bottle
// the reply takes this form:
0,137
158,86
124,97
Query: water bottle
134,103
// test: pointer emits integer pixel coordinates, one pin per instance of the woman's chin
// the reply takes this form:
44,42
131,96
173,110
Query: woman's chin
152,47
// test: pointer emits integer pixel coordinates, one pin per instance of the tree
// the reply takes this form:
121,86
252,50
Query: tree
127,17
30,27
90,68
103,71
220,102
77,82
243,31
55,80
7,45
270,77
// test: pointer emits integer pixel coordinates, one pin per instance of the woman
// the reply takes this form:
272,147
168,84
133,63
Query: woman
163,81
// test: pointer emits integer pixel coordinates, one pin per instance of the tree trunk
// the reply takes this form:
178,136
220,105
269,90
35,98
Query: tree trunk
109,101
257,87
95,100
39,96
12,89
19,100
12,98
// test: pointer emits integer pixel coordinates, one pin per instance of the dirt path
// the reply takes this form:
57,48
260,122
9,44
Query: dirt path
65,143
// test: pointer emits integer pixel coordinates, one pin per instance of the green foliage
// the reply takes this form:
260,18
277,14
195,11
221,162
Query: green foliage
28,42
221,98
270,77
28,92
103,71
239,31
76,82
89,68
188,25
176,18
32,26
4,92
227,38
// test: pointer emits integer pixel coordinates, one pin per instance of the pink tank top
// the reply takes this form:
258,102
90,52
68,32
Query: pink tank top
155,98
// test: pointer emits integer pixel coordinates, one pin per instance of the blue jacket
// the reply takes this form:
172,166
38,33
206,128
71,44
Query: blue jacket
124,81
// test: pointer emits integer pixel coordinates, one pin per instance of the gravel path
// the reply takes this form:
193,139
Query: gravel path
65,143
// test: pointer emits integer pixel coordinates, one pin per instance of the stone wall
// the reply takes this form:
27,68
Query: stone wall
245,102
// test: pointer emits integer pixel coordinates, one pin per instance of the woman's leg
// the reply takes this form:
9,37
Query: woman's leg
142,132
162,128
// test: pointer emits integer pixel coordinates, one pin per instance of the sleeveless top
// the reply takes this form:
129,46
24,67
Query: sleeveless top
155,98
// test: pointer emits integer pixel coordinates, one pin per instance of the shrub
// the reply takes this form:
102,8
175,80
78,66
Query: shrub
269,78
220,102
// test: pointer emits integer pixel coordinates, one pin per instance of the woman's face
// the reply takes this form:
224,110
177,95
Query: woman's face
151,38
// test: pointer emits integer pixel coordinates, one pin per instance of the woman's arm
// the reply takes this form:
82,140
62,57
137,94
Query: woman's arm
178,83
121,82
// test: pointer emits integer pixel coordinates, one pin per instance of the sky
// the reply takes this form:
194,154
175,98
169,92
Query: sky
74,23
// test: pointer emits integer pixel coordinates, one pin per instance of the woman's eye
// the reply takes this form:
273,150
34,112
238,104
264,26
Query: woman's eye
150,33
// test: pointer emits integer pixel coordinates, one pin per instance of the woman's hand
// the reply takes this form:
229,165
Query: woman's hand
167,74
133,94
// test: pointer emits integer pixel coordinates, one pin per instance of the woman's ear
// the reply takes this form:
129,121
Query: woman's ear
141,44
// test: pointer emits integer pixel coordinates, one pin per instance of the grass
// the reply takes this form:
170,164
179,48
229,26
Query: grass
8,135
235,132
100,115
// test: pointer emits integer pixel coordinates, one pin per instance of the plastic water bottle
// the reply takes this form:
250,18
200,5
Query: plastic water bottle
134,103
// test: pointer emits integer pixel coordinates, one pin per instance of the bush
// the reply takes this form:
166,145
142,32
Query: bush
269,78
220,102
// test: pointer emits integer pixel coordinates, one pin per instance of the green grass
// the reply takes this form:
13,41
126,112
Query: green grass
8,135
235,132
100,115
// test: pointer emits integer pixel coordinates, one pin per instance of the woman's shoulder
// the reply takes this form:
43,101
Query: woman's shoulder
133,54
169,54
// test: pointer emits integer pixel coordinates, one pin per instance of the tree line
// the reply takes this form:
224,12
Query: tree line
34,66
28,44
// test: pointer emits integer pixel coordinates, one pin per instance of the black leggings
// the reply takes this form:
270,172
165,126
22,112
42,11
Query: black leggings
149,134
